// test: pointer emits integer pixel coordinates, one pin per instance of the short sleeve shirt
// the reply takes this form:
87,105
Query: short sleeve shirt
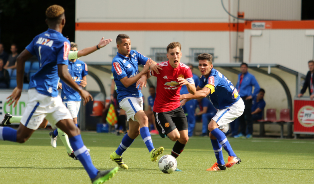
223,94
51,49
77,70
168,88
123,66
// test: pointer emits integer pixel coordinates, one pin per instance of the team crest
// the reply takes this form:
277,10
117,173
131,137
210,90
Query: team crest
181,75
167,125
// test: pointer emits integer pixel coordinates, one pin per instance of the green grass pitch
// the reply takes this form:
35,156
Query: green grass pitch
263,161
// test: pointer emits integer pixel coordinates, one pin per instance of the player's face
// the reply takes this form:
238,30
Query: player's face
311,67
243,69
174,56
124,47
73,49
205,67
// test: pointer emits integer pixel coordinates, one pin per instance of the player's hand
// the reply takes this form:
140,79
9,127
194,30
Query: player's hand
182,102
155,68
83,83
14,97
85,96
248,98
103,42
59,85
147,65
182,81
141,82
300,95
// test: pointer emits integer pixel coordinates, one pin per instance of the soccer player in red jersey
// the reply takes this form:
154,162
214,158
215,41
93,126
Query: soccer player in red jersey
169,115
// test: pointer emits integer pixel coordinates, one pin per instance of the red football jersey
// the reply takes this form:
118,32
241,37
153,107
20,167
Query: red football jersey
168,87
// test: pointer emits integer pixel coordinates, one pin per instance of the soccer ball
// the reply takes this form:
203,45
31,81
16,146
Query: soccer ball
167,164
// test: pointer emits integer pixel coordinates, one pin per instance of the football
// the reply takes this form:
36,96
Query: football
167,164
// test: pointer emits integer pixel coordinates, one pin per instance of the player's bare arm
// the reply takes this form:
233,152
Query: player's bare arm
154,67
16,94
83,82
102,43
129,81
198,94
66,77
190,86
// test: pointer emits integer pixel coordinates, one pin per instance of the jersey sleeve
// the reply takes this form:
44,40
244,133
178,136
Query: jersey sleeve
62,57
73,55
85,70
30,48
211,84
262,105
189,76
118,70
141,58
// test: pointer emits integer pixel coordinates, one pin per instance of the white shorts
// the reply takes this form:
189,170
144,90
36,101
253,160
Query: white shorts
41,106
227,115
74,107
131,105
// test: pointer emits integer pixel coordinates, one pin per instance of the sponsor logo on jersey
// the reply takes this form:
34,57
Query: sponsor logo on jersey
124,61
117,68
48,35
211,80
78,65
172,83
129,66
44,41
66,50
86,69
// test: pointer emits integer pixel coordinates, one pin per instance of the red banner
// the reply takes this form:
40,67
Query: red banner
304,116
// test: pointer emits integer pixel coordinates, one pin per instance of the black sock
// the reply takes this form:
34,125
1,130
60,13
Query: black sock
177,149
121,122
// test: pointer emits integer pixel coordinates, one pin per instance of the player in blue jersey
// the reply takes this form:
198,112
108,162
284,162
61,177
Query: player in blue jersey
129,82
71,99
228,103
8,118
51,49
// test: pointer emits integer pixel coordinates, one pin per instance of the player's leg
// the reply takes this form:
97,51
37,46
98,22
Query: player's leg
221,120
31,119
61,117
73,108
126,142
181,123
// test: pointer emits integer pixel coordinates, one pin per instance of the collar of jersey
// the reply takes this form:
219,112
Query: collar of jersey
122,56
52,30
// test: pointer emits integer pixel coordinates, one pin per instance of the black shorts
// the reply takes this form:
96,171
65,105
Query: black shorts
168,121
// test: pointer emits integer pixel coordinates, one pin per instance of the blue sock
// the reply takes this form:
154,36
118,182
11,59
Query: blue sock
7,134
218,152
55,132
222,139
147,138
82,154
125,143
